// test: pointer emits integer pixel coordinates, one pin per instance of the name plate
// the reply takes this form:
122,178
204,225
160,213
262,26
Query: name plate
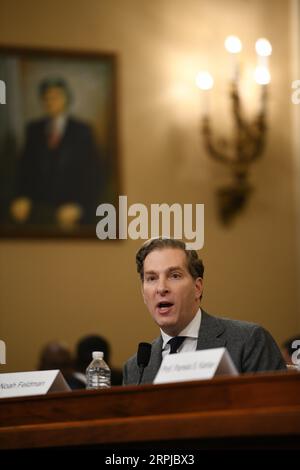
21,384
195,365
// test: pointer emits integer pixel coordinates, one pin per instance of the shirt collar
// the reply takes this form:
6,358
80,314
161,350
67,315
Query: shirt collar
190,331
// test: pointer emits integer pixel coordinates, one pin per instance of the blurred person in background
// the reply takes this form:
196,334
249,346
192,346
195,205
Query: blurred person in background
56,355
83,357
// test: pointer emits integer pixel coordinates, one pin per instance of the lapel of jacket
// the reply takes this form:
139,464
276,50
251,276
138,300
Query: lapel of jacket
210,336
155,361
211,333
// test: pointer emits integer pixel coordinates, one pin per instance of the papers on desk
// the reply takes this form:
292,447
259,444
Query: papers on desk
195,365
21,384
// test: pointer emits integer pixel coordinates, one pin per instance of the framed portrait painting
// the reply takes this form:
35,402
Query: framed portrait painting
58,141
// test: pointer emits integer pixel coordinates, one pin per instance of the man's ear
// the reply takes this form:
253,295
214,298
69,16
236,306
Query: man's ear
198,287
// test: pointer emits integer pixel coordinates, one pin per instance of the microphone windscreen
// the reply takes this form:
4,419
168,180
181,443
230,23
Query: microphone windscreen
143,354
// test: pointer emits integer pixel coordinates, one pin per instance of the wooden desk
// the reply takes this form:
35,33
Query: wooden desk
253,410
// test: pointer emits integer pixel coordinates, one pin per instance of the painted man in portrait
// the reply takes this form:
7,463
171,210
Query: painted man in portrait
59,175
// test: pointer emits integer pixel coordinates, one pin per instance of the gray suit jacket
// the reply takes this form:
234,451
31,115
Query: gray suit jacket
250,346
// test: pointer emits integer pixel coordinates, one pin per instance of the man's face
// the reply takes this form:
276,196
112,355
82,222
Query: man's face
54,101
170,292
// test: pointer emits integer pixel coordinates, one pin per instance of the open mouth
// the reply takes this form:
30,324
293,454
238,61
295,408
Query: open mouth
164,307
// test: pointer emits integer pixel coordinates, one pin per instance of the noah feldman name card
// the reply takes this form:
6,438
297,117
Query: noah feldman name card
195,365
21,384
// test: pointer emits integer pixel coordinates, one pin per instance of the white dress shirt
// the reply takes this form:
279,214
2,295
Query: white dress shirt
191,331
58,124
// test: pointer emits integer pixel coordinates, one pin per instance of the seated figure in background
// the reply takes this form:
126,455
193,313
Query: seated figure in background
56,355
83,357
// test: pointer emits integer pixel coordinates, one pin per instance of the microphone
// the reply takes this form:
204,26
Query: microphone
143,358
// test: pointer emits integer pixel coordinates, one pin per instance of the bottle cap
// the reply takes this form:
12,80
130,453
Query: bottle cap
97,355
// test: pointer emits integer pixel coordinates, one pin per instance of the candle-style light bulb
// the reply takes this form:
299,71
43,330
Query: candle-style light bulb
262,75
204,80
233,44
263,47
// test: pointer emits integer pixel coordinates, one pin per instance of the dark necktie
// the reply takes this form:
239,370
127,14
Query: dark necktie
175,343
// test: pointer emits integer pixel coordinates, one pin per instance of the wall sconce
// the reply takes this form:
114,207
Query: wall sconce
248,141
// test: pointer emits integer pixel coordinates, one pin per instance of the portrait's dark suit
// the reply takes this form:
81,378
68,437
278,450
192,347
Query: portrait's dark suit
70,172
250,346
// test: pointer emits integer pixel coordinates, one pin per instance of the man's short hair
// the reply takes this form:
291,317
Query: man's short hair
194,263
85,348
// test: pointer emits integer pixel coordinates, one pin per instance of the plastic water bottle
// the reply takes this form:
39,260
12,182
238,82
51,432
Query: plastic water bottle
97,373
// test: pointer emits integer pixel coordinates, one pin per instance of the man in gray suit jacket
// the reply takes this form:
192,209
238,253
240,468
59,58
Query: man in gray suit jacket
172,286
